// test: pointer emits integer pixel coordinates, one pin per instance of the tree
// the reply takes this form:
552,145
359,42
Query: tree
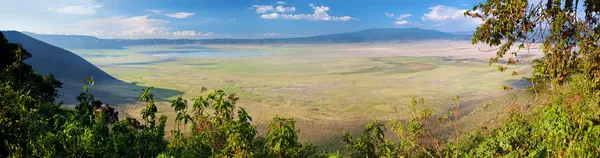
568,39
149,112
22,93
180,106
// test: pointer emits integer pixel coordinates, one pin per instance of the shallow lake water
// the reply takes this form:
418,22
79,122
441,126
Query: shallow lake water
202,54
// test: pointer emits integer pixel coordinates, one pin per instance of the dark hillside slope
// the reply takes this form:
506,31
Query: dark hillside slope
48,59
71,69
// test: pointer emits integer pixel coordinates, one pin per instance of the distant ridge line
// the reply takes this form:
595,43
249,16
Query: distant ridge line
363,36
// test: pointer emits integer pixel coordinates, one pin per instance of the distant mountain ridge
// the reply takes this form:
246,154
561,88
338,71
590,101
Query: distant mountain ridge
364,36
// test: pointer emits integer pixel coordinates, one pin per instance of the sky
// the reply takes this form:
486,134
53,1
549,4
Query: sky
197,19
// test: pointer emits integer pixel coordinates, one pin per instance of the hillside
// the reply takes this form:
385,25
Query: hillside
69,68
364,36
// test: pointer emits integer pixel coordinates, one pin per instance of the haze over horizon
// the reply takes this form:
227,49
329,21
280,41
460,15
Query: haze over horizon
189,19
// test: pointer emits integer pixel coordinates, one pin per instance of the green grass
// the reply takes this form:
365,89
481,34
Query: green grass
299,82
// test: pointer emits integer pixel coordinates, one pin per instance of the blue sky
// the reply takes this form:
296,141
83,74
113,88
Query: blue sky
229,18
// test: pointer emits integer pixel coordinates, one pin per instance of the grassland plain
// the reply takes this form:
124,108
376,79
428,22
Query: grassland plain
326,88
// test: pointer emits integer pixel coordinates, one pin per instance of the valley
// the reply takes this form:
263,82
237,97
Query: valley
300,79
327,89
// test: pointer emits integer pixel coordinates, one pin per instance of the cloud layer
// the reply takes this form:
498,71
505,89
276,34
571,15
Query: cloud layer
446,15
400,19
180,15
279,12
136,27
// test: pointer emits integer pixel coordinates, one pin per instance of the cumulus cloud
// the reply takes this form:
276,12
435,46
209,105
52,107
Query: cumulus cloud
76,9
184,33
138,26
443,13
155,11
320,13
403,16
282,9
446,14
274,34
391,15
190,33
135,27
280,2
180,15
263,8
270,34
401,22
270,16
400,19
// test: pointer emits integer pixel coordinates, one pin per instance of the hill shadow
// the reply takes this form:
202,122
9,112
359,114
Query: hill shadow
72,69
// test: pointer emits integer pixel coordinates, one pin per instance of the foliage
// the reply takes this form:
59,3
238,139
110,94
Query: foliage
370,143
218,131
568,39
417,135
282,140
34,126
568,126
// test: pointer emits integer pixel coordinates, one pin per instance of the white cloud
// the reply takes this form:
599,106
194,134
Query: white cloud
320,13
438,25
155,11
76,9
134,28
443,13
263,8
400,18
403,16
274,34
208,34
270,16
131,27
190,33
280,2
180,15
184,33
391,15
271,34
446,15
401,22
282,9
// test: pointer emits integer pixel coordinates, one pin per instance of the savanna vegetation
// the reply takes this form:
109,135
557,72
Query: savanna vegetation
564,123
